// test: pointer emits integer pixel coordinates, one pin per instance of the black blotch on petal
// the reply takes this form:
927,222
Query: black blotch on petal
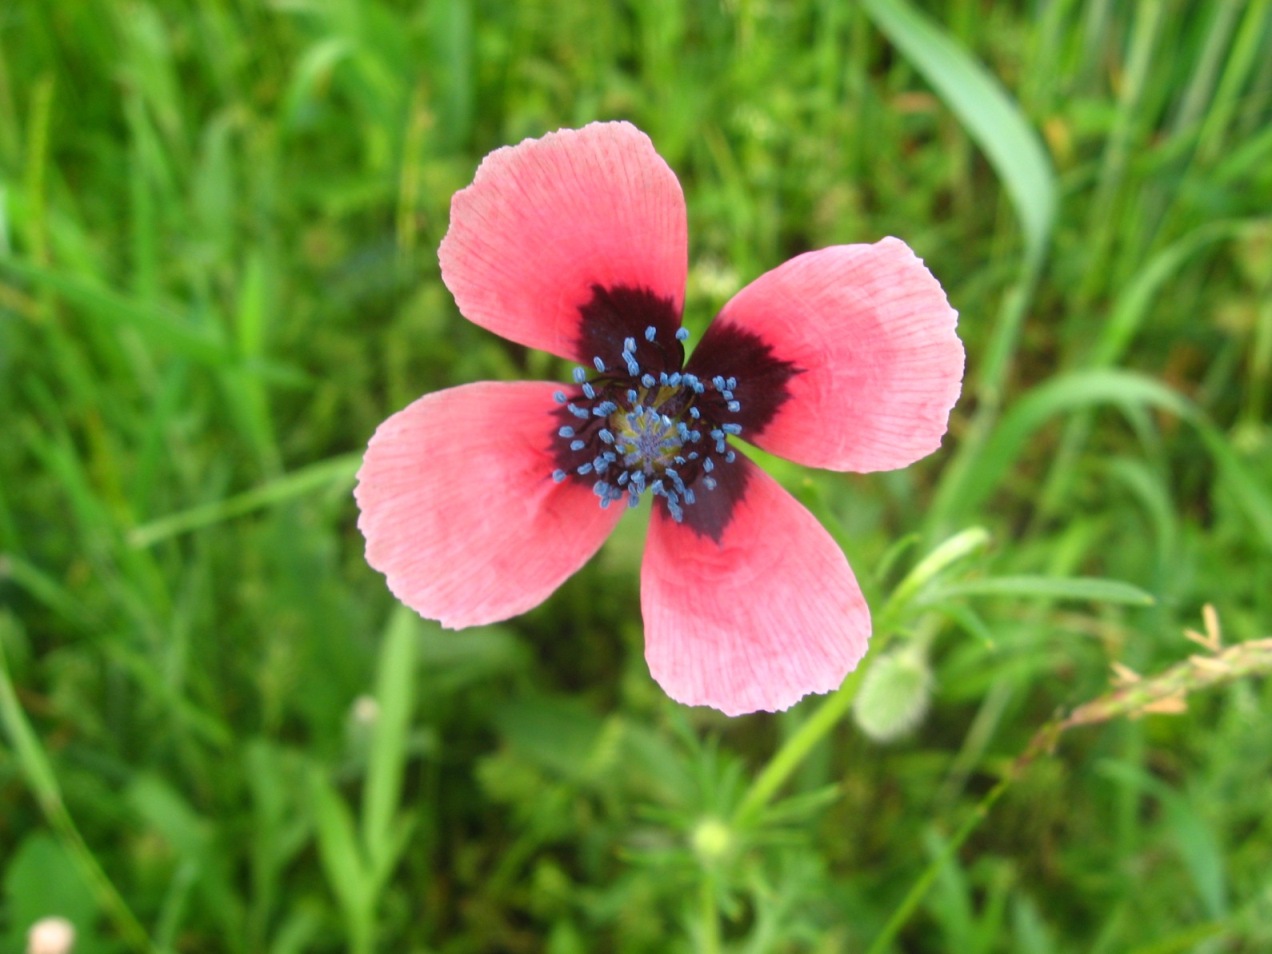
729,350
619,312
711,511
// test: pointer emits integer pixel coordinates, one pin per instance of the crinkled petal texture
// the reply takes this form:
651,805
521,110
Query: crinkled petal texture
758,618
871,336
547,223
459,508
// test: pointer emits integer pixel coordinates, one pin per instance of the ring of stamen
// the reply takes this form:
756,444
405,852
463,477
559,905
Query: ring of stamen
631,431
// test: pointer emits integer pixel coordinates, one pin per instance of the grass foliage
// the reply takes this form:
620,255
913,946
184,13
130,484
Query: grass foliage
218,224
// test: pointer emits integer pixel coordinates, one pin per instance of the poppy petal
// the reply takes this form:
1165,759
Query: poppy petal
459,508
757,616
571,243
846,358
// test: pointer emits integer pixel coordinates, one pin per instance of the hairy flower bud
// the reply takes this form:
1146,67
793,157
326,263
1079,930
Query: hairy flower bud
894,695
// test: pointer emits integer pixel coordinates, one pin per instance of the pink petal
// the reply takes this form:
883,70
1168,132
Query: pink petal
549,222
871,338
459,509
764,616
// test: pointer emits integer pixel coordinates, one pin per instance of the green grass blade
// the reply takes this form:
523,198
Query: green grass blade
343,863
995,122
1131,308
1088,389
1250,44
1093,589
394,693
329,474
160,328
985,110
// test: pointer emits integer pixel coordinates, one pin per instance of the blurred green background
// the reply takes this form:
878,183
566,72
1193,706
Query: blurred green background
218,227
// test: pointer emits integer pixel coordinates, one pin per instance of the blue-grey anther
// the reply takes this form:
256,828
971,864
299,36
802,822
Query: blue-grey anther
644,430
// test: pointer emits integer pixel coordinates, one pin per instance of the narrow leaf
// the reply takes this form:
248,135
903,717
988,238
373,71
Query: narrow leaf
1095,589
394,696
986,110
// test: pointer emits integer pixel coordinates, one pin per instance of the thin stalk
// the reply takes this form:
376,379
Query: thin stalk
795,750
710,916
920,887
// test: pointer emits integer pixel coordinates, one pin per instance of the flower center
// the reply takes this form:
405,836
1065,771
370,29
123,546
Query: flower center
629,430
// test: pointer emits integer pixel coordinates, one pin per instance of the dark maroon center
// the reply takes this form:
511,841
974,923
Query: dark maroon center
638,418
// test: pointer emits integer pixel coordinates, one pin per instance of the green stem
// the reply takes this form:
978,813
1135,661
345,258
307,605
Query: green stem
795,749
920,887
710,915
1043,743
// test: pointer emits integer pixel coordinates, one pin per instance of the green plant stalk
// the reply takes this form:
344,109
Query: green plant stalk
793,752
40,777
919,889
382,788
950,551
710,915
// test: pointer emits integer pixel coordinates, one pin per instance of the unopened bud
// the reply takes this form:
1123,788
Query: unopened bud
894,695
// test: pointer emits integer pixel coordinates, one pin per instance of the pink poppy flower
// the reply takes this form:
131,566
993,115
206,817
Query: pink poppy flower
478,501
